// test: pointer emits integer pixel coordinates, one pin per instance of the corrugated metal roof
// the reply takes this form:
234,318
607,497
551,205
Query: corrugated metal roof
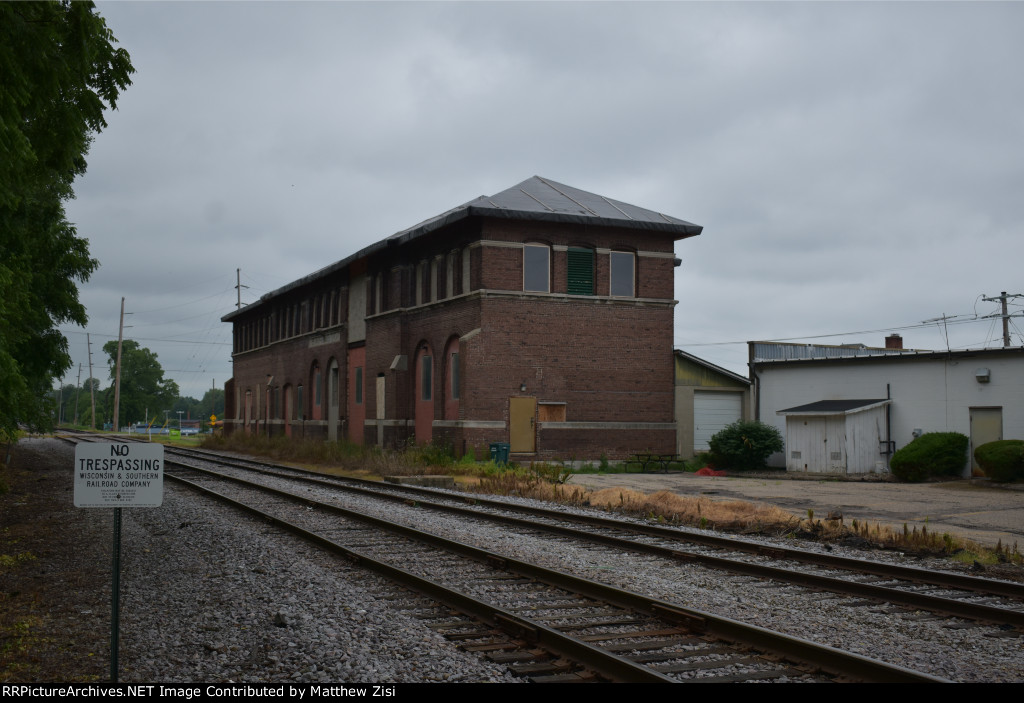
534,199
784,351
768,354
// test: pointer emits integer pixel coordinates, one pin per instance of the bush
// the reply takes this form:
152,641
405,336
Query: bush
931,454
1003,460
744,446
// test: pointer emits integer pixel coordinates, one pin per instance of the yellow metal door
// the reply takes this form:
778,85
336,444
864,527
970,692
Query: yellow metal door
986,426
521,424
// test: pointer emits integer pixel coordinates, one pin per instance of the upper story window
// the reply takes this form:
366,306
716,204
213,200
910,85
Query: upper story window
622,283
580,271
536,268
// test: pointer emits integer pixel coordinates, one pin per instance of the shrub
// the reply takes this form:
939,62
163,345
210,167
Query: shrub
744,445
931,454
1003,460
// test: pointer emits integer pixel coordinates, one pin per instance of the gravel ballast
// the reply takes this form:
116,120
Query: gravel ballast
212,596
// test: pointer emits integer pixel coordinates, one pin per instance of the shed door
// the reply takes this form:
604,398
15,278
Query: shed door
816,444
986,426
711,413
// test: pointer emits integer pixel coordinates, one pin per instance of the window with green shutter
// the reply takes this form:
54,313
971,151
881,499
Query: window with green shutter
581,271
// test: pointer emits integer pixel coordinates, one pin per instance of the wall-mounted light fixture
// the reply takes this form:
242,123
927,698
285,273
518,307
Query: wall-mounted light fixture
522,387
982,375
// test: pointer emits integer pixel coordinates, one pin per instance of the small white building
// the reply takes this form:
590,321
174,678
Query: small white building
846,409
837,436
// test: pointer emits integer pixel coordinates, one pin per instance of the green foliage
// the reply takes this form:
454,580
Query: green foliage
59,71
1002,461
142,383
931,454
436,454
744,446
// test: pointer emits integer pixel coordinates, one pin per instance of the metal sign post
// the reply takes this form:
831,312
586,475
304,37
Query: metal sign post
118,475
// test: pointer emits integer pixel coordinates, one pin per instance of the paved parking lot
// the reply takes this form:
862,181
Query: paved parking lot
974,509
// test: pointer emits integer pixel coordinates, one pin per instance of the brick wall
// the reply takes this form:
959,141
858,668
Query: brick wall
607,360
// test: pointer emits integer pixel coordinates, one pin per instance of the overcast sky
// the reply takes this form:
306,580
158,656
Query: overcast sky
857,167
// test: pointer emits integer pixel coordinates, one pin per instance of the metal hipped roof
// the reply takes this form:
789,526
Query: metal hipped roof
534,199
543,199
835,407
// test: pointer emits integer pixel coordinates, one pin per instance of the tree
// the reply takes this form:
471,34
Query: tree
59,71
143,386
212,404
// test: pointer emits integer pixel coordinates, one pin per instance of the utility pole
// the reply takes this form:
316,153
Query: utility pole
117,382
92,386
117,372
239,287
78,389
1005,314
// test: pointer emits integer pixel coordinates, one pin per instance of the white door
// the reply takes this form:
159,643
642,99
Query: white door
711,413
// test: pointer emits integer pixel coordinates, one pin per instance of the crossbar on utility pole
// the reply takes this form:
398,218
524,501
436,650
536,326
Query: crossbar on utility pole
1005,314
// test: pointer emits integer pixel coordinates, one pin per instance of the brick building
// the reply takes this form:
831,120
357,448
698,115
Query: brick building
540,316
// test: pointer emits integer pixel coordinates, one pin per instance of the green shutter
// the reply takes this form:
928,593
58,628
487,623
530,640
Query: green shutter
581,271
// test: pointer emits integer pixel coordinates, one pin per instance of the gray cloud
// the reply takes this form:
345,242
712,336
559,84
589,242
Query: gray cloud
855,165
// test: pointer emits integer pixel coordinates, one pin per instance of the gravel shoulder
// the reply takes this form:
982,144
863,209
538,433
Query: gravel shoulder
218,598
202,600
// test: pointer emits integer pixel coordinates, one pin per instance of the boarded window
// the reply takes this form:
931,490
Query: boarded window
454,366
551,412
427,378
622,268
536,268
581,271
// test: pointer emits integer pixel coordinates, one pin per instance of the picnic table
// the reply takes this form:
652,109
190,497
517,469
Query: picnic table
660,461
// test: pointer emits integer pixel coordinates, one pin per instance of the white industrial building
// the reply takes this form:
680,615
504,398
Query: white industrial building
845,409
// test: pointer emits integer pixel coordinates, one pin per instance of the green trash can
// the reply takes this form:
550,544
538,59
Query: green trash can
499,452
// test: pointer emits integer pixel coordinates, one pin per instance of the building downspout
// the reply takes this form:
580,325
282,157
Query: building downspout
755,382
889,449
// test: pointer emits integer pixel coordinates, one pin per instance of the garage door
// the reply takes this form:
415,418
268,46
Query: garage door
712,412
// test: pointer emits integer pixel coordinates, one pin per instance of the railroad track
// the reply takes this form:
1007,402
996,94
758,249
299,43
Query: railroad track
461,627
591,630
947,594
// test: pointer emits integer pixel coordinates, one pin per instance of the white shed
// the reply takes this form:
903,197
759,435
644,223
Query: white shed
837,436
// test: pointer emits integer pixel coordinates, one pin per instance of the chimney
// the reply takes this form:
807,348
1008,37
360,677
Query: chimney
894,341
